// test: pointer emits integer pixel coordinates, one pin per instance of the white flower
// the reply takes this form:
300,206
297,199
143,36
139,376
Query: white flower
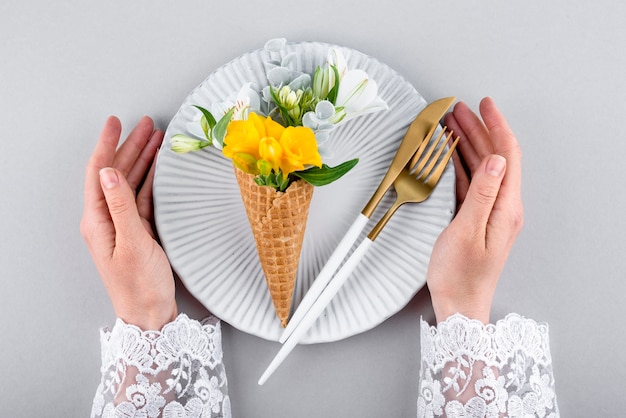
357,95
244,101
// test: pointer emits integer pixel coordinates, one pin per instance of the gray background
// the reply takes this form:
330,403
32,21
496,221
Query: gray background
556,69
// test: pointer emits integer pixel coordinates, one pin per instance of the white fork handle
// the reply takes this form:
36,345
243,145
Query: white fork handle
316,310
325,274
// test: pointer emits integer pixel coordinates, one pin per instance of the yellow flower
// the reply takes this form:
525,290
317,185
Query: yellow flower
242,136
271,151
262,142
272,129
299,149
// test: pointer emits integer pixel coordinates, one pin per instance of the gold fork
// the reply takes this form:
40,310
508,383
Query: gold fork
428,168
414,184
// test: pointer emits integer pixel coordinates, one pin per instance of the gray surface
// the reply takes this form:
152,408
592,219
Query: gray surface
556,69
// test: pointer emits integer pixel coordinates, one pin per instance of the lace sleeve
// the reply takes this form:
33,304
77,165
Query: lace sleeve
473,370
177,372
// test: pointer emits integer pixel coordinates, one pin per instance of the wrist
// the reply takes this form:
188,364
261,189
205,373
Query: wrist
445,309
150,319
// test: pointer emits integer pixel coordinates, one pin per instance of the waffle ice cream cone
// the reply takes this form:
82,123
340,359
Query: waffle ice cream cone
278,221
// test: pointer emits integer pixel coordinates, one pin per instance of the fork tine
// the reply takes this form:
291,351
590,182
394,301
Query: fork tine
441,144
436,175
417,161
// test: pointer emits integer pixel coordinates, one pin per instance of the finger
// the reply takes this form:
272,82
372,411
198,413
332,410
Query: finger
120,200
482,194
505,144
462,179
464,147
144,197
103,156
474,129
130,150
508,214
145,159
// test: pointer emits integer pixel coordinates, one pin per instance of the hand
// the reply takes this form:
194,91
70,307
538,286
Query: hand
117,226
469,255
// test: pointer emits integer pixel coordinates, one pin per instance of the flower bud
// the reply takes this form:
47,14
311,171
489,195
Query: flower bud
182,144
265,168
289,98
245,162
321,85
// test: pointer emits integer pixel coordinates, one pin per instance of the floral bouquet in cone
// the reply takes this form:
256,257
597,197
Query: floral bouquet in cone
277,138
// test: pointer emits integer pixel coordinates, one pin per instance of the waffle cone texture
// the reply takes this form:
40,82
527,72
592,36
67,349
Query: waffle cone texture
278,221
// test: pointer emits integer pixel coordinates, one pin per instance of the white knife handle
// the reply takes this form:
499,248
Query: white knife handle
316,310
325,274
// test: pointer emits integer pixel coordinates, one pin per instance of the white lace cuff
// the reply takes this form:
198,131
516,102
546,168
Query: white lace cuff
177,372
474,370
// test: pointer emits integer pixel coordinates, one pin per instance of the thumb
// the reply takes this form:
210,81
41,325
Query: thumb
483,191
121,203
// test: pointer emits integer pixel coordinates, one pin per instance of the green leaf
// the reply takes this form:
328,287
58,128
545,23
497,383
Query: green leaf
204,124
325,175
220,128
281,183
332,94
210,120
208,115
274,180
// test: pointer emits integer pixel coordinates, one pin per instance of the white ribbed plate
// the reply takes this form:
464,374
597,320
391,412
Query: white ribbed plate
205,232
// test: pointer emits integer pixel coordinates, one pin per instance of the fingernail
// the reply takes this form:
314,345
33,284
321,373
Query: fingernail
495,165
108,178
